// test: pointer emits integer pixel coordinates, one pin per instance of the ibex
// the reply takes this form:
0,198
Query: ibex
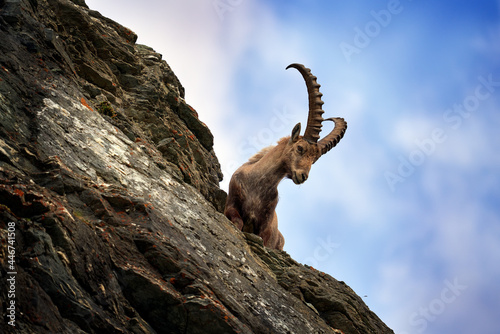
253,189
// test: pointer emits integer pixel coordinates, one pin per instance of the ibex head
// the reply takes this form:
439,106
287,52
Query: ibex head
305,150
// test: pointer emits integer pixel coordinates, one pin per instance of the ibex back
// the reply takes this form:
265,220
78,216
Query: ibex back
253,189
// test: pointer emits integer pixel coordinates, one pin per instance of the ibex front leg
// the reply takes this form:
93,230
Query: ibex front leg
271,236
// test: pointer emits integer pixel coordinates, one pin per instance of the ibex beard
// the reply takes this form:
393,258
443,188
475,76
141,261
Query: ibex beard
253,189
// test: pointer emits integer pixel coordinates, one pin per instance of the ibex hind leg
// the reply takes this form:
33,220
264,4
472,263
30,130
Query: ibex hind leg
281,241
234,216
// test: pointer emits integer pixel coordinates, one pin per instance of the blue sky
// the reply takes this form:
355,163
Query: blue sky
405,209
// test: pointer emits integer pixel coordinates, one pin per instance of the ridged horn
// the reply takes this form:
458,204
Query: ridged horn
332,139
314,119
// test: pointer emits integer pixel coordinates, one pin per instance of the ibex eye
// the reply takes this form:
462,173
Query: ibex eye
300,149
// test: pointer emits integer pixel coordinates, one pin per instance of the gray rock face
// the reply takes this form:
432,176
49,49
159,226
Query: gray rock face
111,183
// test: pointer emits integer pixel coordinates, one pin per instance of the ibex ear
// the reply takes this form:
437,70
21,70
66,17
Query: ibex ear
295,133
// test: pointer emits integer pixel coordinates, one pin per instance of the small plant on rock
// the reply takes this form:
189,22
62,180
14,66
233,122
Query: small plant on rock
105,108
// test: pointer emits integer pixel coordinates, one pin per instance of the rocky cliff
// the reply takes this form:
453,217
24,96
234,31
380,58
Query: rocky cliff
109,201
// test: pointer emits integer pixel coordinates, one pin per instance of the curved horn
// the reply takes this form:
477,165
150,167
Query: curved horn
332,139
314,119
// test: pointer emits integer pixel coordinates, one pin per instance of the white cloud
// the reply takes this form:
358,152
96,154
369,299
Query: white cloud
409,130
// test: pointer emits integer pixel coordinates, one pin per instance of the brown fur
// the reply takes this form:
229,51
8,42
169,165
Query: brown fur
253,189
